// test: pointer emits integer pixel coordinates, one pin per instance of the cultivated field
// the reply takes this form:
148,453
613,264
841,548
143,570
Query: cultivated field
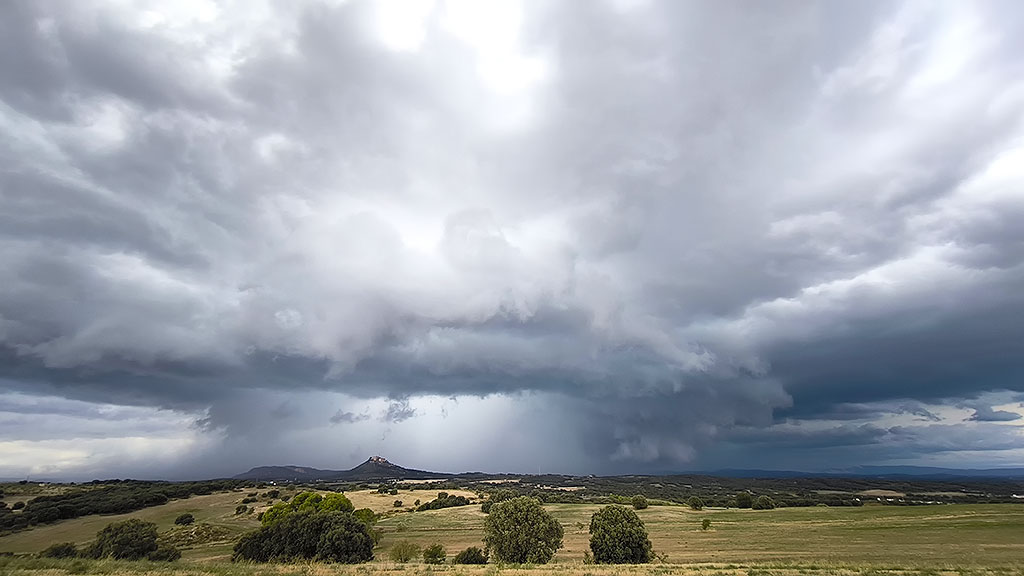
963,539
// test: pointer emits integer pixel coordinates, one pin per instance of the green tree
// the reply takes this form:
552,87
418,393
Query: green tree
618,536
397,504
434,554
61,550
520,531
18,505
131,539
639,502
184,519
471,555
241,509
763,503
306,535
403,551
335,502
705,524
744,500
695,503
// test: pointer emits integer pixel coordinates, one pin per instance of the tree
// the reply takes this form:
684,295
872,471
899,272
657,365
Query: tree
520,531
705,524
398,503
184,519
618,536
471,555
61,550
763,503
18,505
131,539
241,509
744,500
322,536
335,502
434,554
695,503
403,551
639,502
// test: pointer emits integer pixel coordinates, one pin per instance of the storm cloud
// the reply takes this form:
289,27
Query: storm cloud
585,236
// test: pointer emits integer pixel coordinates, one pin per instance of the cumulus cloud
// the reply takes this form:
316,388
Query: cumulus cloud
685,225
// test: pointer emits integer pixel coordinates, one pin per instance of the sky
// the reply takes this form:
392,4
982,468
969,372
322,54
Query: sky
590,236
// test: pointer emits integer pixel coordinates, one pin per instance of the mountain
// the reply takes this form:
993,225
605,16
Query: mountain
375,468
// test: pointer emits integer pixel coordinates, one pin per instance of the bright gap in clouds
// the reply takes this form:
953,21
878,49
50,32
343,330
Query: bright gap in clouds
490,28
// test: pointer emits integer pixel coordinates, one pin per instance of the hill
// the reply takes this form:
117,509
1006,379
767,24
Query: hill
375,468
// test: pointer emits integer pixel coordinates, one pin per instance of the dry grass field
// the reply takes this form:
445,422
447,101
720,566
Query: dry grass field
967,540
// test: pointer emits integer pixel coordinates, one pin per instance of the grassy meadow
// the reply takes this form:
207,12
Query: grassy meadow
965,539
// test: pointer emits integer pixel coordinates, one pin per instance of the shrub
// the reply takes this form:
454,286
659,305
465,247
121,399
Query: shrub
639,502
398,503
131,539
520,531
404,551
18,505
744,500
618,536
705,524
61,550
164,553
471,555
434,554
763,503
184,519
306,502
241,509
695,503
322,536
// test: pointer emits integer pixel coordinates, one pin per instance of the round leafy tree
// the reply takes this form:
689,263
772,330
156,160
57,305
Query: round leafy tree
639,502
520,531
744,500
471,555
618,536
434,554
184,519
763,503
131,539
695,503
305,535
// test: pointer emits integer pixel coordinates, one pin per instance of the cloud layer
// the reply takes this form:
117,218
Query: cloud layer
637,235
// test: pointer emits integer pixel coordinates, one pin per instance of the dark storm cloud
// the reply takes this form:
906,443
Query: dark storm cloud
702,227
348,417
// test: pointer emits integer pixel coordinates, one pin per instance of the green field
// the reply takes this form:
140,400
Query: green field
958,538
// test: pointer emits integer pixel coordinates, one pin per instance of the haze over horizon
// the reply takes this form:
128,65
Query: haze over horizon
614,236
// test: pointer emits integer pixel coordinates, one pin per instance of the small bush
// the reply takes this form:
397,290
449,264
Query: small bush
471,555
398,504
184,519
705,524
695,503
60,550
434,554
164,553
763,503
241,509
403,551
639,502
18,505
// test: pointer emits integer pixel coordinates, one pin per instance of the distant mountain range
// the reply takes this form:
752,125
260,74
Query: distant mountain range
375,468
919,472
378,468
